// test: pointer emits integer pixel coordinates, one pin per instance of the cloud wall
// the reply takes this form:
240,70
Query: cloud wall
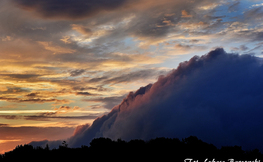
70,9
216,97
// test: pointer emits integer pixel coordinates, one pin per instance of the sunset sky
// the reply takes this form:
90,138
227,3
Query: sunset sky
66,62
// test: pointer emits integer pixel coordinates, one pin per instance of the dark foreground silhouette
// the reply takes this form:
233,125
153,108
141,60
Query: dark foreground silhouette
165,149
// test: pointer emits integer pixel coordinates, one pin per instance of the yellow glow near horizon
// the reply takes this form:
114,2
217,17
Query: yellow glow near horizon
25,111
5,141
47,111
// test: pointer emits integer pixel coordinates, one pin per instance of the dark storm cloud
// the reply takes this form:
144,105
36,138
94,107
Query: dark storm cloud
69,9
216,97
81,128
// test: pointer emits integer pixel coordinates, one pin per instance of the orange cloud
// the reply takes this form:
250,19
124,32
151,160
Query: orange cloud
56,49
185,14
66,109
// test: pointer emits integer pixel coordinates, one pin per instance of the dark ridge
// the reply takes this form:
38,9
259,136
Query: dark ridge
188,149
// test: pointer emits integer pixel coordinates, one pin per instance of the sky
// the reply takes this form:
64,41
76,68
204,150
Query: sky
64,63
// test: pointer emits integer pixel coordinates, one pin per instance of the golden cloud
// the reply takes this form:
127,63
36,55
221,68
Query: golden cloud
56,49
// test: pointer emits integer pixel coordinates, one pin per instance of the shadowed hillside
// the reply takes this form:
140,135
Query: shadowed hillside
139,150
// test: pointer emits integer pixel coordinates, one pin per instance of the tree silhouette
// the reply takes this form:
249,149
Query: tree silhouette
161,149
47,147
64,144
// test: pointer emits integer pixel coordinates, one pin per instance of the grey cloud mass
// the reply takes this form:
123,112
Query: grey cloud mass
69,9
216,97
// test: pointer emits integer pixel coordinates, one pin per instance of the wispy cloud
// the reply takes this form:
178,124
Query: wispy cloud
34,100
25,111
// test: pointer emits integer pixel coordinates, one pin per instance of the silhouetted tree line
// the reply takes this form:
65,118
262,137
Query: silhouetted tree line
138,150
